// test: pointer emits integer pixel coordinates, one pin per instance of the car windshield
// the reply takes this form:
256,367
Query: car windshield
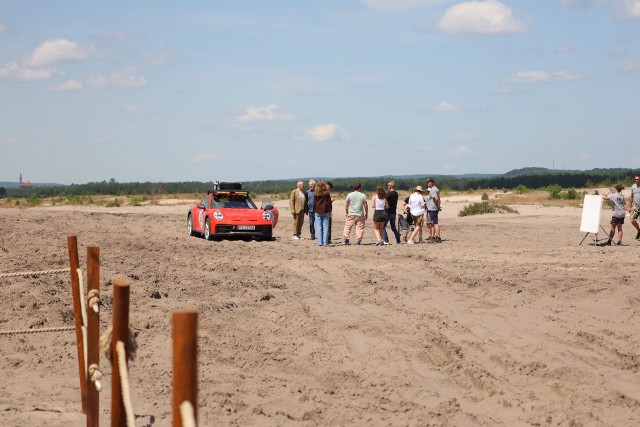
233,202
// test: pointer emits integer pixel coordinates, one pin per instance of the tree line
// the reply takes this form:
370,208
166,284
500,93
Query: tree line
539,180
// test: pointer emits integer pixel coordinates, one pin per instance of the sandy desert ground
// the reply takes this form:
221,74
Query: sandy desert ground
507,322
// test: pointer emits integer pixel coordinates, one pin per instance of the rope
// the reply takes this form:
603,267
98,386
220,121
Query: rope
95,375
35,273
83,312
124,382
187,414
106,342
93,300
33,331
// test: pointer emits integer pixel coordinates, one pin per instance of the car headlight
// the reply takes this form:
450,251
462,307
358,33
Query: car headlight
218,215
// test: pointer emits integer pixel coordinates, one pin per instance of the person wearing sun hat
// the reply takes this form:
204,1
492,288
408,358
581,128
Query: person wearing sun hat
417,207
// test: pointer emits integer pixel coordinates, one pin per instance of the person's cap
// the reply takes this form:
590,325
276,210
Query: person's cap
431,180
419,188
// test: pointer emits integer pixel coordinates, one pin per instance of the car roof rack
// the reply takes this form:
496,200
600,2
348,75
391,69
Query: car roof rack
217,186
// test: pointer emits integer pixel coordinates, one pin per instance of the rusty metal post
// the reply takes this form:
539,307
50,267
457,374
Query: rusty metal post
93,336
185,363
120,333
72,244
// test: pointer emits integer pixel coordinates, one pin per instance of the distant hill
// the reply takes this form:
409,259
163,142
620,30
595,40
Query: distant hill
529,171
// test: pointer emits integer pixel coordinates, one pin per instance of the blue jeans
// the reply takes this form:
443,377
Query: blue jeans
391,218
323,228
312,225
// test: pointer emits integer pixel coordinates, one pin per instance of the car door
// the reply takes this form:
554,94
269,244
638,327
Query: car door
198,216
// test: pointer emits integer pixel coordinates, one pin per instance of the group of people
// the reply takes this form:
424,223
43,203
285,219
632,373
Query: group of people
618,202
419,209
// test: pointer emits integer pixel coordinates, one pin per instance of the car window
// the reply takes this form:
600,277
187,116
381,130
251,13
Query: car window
205,202
232,202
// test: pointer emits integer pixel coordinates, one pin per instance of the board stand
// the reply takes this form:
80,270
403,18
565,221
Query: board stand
595,237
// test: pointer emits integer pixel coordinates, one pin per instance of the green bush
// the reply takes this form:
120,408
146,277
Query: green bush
571,194
115,203
485,197
34,200
480,208
521,189
554,191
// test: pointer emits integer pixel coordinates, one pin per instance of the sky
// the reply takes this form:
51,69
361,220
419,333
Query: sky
167,91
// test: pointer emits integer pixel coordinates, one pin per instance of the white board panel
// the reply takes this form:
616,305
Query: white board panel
591,209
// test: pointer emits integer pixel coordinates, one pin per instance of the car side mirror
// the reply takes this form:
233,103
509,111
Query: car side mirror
267,203
201,206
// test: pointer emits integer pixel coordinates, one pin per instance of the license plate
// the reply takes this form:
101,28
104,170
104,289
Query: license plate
245,227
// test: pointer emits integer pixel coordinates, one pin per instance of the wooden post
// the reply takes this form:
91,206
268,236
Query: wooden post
72,244
120,333
93,336
185,363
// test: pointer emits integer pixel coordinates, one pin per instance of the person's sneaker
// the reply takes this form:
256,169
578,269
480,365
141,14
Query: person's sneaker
295,238
638,236
619,243
378,243
346,242
608,243
410,242
386,243
438,240
300,238
357,243
313,238
428,239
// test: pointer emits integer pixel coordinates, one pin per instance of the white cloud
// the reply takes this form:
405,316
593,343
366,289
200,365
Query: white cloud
626,9
616,52
204,157
629,66
19,73
463,150
398,5
464,136
488,17
131,108
538,76
54,51
69,85
326,132
565,49
3,28
585,156
447,107
268,113
124,79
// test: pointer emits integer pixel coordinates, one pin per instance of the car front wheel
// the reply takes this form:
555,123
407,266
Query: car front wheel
190,229
207,229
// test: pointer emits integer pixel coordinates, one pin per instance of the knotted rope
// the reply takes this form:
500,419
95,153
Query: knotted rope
106,342
124,382
93,300
187,414
83,312
95,375
35,273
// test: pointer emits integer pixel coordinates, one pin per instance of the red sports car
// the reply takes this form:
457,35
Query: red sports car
231,212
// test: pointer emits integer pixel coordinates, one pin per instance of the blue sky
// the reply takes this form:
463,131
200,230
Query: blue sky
267,89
